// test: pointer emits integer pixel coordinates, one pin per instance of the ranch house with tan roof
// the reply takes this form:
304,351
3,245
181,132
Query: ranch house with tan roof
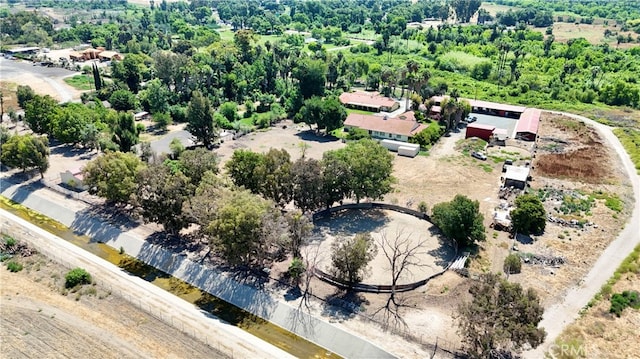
368,101
400,128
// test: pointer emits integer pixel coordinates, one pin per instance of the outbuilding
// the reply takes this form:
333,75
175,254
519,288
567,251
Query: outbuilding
528,124
516,176
480,130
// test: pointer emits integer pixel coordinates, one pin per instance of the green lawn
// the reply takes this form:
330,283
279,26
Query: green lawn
361,112
339,133
80,82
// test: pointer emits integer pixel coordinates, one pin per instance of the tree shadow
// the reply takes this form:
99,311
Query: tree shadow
66,150
445,252
349,222
343,304
311,135
523,238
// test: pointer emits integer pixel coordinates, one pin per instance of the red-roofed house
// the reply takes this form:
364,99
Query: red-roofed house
480,130
369,101
528,124
400,128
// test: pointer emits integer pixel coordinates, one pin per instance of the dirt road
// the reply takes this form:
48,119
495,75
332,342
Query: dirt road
177,312
558,316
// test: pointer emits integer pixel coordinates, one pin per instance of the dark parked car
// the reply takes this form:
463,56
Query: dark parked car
506,163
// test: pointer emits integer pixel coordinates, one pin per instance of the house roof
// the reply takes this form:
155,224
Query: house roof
517,173
484,104
394,126
368,99
481,126
85,51
108,54
529,121
23,49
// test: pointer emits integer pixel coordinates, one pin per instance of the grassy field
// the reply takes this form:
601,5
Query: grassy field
493,9
80,82
462,58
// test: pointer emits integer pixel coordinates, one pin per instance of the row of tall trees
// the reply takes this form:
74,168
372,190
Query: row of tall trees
360,170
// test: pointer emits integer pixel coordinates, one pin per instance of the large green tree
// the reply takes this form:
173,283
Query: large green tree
370,166
460,220
307,183
237,227
529,215
39,113
242,169
195,163
501,317
274,173
200,121
160,194
311,76
125,132
69,123
123,100
113,176
351,256
26,152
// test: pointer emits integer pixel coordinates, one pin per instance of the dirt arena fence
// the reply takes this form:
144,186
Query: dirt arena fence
374,288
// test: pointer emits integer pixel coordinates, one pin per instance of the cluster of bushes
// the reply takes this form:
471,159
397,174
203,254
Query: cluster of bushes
620,301
630,139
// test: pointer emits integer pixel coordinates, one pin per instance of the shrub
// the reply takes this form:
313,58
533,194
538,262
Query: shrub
423,207
296,269
10,241
621,301
512,264
14,266
76,276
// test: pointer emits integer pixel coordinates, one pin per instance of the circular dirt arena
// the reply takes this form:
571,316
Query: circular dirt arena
432,256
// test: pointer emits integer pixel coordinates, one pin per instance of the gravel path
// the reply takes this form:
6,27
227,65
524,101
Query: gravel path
559,316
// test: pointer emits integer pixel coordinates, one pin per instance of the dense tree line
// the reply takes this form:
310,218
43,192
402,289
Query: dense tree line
241,218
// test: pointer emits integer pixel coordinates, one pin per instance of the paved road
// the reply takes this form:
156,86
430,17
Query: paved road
559,316
173,310
13,69
260,302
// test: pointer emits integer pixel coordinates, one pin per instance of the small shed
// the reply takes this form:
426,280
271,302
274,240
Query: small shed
74,179
480,130
527,128
516,176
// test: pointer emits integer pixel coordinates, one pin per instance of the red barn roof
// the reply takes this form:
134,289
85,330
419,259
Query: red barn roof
481,126
529,121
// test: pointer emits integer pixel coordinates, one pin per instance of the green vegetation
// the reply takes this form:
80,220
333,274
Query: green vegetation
512,264
529,215
501,316
14,266
350,257
620,301
630,139
75,277
80,82
631,264
460,220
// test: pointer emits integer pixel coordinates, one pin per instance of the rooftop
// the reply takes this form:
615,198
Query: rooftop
394,126
481,126
529,121
368,99
517,173
484,104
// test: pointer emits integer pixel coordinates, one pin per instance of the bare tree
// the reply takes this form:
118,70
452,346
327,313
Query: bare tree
402,254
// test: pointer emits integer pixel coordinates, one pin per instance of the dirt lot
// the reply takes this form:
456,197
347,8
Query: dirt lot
38,320
594,33
581,173
601,334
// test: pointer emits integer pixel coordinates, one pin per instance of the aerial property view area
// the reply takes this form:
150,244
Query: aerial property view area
319,179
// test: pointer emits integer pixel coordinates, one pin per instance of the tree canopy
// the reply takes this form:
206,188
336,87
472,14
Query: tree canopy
529,216
501,317
351,256
460,220
26,152
113,176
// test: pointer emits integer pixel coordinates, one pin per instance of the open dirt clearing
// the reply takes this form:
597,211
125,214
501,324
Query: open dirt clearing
433,255
39,321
